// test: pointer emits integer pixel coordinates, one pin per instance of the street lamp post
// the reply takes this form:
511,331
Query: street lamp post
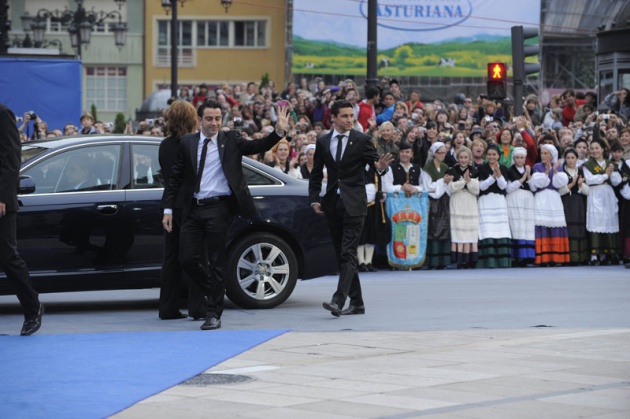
5,26
172,4
372,49
80,23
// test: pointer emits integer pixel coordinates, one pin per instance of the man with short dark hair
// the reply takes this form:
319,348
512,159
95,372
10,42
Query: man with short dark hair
10,261
208,183
248,96
344,152
394,89
570,107
366,107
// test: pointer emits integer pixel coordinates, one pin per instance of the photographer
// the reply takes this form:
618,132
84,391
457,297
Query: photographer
146,127
619,101
40,128
70,129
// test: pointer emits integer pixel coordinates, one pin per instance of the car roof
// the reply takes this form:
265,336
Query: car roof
57,142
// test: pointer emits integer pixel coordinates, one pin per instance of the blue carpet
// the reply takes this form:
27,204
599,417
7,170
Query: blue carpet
97,375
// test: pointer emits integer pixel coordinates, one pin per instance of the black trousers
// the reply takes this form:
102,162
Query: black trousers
206,227
172,277
346,232
15,268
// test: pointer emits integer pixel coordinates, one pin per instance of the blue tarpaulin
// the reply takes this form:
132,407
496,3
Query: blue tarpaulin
49,87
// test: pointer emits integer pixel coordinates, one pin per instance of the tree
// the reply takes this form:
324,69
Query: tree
264,81
119,123
93,112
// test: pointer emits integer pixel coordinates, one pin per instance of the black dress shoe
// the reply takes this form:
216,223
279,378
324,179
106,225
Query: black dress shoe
333,308
211,323
354,310
32,325
371,268
174,316
363,267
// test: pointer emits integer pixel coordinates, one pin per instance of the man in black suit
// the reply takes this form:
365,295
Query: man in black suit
209,173
10,260
345,201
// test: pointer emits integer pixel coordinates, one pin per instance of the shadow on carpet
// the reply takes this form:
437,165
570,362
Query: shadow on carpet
97,375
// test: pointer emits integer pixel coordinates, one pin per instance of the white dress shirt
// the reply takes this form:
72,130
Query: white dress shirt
334,140
213,180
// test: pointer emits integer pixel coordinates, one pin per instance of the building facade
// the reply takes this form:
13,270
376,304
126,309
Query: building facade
112,77
215,46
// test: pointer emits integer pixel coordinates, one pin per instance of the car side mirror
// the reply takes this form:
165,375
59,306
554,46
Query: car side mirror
27,185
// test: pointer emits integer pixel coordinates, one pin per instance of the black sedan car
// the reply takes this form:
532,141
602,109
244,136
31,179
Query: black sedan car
104,232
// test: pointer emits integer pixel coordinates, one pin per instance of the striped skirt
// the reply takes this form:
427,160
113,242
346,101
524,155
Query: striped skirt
495,253
552,245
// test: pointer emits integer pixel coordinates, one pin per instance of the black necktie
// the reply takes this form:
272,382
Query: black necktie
202,163
339,147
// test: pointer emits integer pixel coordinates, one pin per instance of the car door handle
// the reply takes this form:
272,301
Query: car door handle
107,209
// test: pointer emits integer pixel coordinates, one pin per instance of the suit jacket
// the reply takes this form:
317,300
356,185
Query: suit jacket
10,150
347,175
167,155
232,147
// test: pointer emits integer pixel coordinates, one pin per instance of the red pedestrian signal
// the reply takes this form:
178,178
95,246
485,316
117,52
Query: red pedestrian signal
497,81
497,71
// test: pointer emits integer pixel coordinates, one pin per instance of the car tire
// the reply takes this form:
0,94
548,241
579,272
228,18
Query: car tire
262,271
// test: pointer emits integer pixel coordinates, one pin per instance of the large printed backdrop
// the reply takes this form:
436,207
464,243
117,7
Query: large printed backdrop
448,38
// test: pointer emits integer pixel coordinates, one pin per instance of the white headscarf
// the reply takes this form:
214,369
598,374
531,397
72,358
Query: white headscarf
518,151
309,147
435,147
553,151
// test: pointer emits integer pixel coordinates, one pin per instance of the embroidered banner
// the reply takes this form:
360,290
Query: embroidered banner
410,221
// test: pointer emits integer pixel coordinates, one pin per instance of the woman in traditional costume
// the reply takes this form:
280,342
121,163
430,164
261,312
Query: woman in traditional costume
494,225
464,212
552,240
520,203
602,207
435,180
574,201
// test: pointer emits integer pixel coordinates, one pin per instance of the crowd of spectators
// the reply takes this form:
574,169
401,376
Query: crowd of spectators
571,123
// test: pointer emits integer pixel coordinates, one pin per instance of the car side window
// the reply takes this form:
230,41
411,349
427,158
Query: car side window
146,166
255,178
80,169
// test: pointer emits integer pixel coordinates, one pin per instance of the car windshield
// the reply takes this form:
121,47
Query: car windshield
29,151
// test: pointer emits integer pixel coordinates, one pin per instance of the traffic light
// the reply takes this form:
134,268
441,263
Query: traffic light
520,68
497,81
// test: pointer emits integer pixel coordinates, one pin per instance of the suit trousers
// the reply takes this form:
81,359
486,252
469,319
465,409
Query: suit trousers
172,278
206,227
12,264
346,232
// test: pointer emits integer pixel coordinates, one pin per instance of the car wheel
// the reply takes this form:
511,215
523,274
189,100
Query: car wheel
262,271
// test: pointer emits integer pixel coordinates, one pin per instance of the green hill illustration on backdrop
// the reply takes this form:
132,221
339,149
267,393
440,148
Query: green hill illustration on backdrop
411,59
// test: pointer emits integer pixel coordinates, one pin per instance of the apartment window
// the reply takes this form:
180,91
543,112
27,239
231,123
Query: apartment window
213,33
250,33
106,87
208,34
184,43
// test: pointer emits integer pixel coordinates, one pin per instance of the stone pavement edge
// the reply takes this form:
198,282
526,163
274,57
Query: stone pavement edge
476,373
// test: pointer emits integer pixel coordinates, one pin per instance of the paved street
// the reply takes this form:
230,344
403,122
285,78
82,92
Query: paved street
452,344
